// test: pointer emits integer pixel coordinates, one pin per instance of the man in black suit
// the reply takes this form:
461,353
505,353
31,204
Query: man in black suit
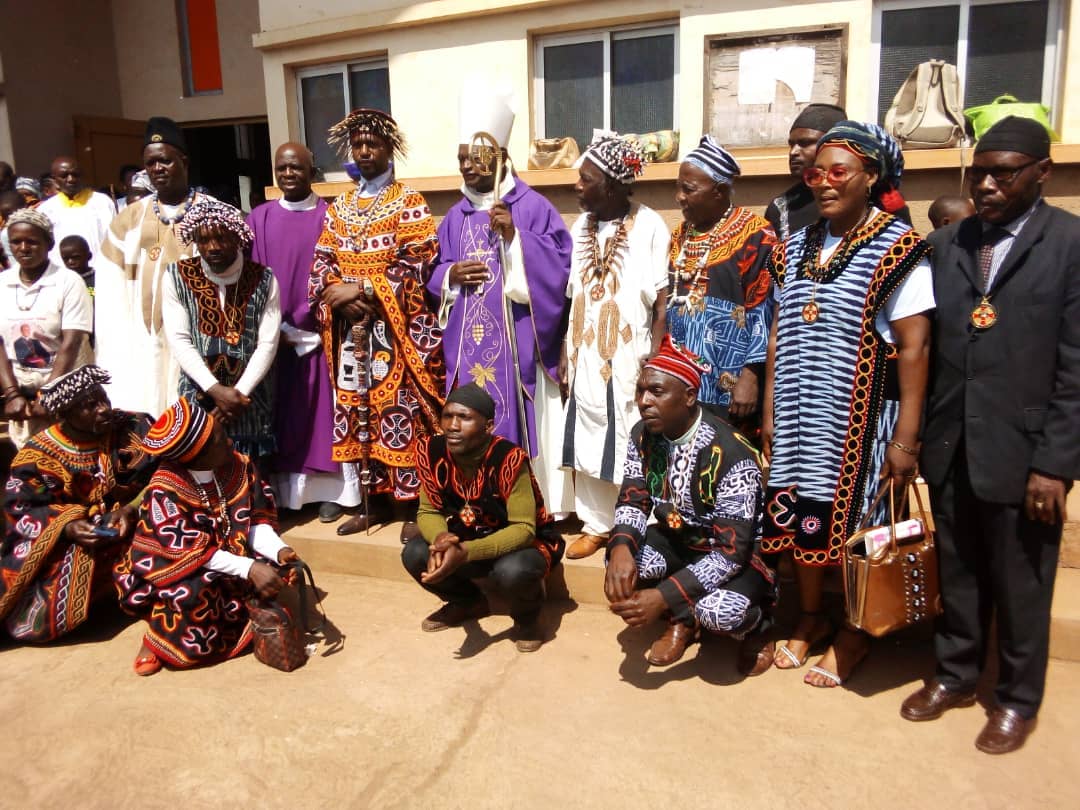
1001,443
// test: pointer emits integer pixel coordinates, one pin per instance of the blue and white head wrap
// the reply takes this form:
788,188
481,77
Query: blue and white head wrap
714,160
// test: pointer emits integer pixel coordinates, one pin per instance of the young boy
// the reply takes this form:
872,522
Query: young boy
76,255
949,208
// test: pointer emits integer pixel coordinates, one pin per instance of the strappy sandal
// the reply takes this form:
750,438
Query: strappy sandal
784,653
834,679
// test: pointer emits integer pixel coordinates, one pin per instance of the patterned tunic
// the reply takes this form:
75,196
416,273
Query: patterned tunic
836,394
253,432
48,583
388,240
194,615
484,498
725,317
705,493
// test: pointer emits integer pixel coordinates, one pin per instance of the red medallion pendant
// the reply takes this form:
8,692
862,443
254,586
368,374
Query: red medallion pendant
811,312
467,515
984,315
598,292
674,519
232,337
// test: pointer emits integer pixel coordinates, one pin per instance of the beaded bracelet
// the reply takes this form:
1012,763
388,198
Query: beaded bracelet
911,451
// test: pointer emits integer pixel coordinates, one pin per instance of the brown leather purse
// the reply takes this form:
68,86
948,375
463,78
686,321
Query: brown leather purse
894,585
280,641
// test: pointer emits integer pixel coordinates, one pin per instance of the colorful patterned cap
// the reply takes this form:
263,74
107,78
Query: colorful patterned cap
877,149
58,395
366,119
620,158
679,362
714,160
207,212
180,433
28,184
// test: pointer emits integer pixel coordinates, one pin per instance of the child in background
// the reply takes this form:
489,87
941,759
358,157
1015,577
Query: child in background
949,208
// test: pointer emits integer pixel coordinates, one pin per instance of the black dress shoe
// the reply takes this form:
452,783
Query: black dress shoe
330,511
1005,731
933,700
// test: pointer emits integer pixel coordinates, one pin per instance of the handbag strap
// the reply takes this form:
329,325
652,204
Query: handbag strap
304,582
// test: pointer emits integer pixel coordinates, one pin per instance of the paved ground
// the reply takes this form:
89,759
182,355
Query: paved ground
459,719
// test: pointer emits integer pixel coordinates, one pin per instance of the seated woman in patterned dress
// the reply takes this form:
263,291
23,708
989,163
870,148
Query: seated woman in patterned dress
68,509
206,541
846,374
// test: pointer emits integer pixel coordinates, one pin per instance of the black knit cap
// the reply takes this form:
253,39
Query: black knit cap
164,130
1015,134
820,117
475,397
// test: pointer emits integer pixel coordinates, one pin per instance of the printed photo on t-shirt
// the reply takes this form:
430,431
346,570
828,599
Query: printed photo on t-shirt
33,348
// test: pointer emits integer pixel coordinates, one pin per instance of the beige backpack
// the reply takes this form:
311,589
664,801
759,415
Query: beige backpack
926,112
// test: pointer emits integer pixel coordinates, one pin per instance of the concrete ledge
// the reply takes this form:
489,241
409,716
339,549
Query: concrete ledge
379,555
1065,616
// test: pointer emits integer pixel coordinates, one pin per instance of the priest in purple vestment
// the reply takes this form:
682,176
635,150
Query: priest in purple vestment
471,284
286,230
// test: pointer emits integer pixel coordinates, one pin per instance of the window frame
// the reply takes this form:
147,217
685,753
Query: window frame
342,69
1052,46
605,36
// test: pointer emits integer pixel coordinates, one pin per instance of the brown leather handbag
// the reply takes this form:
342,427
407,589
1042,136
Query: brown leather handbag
553,153
280,641
892,583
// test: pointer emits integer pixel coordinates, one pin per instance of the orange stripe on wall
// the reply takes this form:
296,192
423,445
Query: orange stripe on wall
204,50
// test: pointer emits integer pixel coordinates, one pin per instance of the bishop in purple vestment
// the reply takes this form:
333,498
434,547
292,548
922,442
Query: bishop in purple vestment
471,283
286,231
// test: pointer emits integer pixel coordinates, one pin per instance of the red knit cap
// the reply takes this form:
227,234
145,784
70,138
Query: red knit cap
681,363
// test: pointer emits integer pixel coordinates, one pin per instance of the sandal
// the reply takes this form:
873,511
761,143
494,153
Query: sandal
786,659
147,664
839,651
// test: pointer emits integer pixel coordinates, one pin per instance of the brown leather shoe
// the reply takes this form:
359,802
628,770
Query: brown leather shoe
933,700
671,646
756,655
1005,731
528,637
585,546
454,614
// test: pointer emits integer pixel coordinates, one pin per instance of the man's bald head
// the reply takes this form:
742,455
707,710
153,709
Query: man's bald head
67,174
293,168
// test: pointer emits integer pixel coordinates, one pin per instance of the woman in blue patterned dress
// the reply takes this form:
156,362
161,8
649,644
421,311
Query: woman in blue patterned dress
846,374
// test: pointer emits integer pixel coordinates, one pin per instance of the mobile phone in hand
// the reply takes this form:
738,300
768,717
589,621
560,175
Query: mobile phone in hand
105,531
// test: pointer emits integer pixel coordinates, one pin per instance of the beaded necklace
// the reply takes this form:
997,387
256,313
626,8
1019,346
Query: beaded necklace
223,507
600,269
181,212
851,243
356,243
696,254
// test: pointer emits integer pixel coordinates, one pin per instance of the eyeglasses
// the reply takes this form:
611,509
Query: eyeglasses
1001,176
837,175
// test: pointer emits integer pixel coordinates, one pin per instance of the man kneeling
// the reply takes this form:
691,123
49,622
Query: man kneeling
205,543
481,515
699,564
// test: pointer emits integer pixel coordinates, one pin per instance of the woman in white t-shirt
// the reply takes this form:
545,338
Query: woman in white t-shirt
846,375
45,319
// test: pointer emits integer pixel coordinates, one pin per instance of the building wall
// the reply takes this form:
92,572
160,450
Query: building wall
58,62
148,58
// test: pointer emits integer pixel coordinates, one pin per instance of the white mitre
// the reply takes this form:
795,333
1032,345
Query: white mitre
484,107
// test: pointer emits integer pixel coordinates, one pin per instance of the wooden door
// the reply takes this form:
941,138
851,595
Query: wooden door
106,144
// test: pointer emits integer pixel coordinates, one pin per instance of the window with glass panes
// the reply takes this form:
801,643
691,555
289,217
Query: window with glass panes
327,93
997,47
622,79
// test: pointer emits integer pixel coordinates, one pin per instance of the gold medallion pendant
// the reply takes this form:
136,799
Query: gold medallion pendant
232,337
674,519
154,253
467,515
811,312
984,315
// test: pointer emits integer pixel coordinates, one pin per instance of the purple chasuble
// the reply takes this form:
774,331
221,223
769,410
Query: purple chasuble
304,421
475,338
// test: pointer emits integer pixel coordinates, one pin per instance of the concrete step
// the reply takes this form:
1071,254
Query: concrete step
379,555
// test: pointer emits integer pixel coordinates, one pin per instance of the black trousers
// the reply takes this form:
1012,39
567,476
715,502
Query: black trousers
518,577
993,559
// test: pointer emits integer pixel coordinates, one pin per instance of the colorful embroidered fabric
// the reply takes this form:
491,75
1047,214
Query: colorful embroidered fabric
194,615
836,395
488,492
390,247
47,583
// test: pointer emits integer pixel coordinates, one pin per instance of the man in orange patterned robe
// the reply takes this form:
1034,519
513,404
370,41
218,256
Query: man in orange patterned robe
380,335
